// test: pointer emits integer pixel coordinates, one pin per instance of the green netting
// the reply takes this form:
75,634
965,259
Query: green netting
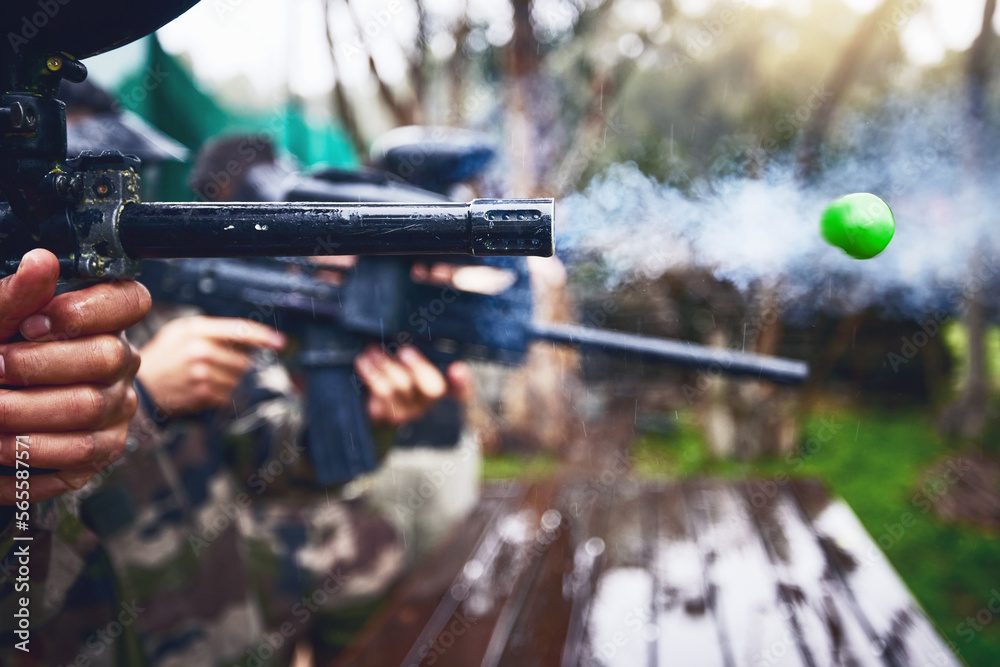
166,95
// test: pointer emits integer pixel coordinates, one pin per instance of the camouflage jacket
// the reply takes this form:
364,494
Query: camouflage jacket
202,546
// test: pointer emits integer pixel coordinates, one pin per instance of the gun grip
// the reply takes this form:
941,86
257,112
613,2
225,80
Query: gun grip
338,437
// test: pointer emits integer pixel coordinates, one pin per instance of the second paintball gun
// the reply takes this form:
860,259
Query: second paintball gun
379,301
390,301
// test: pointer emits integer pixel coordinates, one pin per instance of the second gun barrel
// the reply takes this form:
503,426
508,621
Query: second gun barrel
518,227
676,353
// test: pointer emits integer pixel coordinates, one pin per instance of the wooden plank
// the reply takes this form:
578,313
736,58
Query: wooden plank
540,631
686,631
826,621
495,579
616,628
590,505
753,621
897,625
411,607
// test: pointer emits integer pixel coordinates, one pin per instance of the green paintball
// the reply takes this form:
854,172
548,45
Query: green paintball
860,224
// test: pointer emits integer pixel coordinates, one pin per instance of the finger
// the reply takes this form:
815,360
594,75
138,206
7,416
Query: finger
235,361
102,308
430,384
370,369
380,411
28,290
80,407
403,383
461,383
237,331
91,360
217,387
66,451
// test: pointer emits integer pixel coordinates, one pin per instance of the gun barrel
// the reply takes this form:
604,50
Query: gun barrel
678,353
484,227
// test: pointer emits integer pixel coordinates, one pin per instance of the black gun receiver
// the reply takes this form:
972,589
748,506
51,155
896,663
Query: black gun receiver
379,301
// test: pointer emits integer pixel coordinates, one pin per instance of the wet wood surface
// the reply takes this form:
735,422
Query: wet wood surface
613,571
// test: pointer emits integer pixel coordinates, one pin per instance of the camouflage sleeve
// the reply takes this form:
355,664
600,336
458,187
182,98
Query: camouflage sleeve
66,577
262,437
310,550
168,517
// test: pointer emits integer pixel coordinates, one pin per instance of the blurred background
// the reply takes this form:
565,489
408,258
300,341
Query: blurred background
692,145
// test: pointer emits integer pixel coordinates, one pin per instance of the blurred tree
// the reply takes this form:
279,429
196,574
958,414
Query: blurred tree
966,416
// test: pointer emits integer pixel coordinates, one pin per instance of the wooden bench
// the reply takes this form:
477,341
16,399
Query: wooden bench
615,571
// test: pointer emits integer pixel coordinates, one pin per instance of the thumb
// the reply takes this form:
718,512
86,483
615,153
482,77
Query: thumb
28,290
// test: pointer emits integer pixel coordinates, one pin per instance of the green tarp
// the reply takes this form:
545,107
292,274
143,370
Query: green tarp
166,95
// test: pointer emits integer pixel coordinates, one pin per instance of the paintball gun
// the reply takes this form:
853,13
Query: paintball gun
379,299
87,210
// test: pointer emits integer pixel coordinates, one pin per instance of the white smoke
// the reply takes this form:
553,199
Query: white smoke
765,231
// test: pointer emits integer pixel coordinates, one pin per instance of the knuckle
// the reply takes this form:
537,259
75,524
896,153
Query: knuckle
435,388
7,410
203,395
26,361
199,372
130,403
202,350
76,481
91,404
7,451
84,451
110,354
109,446
136,299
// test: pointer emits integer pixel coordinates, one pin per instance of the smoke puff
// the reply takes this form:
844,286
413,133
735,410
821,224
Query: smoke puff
765,231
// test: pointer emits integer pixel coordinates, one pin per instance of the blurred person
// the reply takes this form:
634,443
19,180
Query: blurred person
401,388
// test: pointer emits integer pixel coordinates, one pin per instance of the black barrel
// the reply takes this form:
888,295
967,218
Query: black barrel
485,227
676,353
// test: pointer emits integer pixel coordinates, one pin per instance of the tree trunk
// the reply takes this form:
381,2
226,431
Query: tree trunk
838,84
966,416
539,396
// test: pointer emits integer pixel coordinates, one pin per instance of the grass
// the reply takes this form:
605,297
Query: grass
874,460
508,466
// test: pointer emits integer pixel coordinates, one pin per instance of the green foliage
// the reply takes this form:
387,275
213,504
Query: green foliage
876,462
510,466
